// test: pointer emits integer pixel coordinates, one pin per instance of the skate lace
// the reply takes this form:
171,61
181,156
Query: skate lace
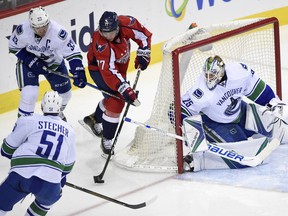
107,143
98,127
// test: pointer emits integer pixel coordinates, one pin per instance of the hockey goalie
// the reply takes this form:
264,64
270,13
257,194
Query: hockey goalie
220,126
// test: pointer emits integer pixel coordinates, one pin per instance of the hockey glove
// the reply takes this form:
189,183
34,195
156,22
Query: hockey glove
275,104
37,66
78,72
79,77
278,109
142,59
128,93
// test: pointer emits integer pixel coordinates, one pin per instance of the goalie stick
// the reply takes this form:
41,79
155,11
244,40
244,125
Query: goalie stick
222,152
99,178
132,206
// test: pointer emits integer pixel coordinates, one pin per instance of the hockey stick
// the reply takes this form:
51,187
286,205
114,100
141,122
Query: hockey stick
222,152
88,84
99,178
154,128
132,206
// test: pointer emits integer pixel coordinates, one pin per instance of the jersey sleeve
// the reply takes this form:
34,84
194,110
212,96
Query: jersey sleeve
70,50
136,31
257,90
188,105
17,39
16,138
195,99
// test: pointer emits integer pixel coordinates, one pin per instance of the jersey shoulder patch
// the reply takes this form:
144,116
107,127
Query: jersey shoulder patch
19,29
198,93
62,34
126,21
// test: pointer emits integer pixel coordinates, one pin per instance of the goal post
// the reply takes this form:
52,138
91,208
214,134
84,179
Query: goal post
255,42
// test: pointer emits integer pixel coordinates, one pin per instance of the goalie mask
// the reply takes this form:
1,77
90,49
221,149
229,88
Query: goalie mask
109,25
51,103
214,69
39,20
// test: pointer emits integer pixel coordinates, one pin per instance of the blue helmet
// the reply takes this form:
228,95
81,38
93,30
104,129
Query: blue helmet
108,22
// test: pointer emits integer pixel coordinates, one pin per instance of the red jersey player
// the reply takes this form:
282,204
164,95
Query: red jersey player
108,59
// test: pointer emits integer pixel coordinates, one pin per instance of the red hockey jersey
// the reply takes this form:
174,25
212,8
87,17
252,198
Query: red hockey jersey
111,59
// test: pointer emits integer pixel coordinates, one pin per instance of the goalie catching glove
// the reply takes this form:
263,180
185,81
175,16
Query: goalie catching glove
142,59
278,108
129,94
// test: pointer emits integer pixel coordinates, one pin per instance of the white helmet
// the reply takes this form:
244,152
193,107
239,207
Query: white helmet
51,102
214,69
38,17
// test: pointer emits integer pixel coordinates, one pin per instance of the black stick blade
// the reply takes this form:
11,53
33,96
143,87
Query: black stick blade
98,179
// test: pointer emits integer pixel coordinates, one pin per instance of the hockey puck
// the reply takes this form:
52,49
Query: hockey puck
98,180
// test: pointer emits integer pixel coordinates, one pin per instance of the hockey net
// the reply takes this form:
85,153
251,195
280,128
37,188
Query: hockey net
252,41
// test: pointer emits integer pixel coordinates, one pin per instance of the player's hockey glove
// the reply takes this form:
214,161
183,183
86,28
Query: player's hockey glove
142,59
78,72
79,77
37,65
128,93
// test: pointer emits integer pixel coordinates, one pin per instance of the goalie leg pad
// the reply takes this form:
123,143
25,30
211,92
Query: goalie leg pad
280,131
259,121
194,133
211,160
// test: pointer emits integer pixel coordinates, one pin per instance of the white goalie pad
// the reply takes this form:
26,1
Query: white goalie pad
194,134
248,153
272,124
259,121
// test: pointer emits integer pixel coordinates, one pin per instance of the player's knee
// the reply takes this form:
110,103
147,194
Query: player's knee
66,97
112,114
29,95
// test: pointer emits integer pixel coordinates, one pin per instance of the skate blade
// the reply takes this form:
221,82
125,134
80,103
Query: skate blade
86,127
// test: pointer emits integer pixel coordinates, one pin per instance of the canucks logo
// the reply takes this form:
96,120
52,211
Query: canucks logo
62,34
233,107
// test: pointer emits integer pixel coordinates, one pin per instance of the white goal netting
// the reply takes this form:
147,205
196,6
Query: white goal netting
241,41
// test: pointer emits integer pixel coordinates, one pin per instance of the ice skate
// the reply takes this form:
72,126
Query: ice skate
95,127
188,165
106,146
